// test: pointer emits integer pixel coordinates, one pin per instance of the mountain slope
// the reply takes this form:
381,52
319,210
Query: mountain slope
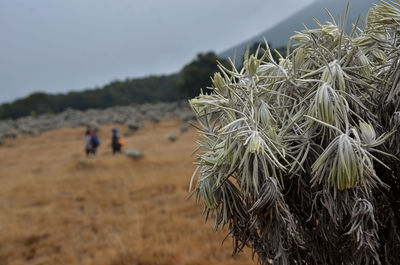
280,33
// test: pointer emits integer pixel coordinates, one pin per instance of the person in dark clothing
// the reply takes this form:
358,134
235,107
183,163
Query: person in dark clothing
89,145
116,142
95,143
92,142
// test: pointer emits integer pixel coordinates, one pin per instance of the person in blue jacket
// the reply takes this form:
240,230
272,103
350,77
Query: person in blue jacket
116,142
92,143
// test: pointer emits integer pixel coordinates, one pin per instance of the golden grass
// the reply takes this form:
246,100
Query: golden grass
59,207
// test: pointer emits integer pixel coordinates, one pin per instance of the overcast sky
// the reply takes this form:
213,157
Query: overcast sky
62,45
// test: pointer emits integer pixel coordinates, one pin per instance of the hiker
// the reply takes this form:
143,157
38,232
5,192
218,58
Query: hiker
95,143
116,141
89,146
92,142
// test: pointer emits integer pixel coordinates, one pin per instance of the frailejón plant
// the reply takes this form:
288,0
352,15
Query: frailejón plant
300,157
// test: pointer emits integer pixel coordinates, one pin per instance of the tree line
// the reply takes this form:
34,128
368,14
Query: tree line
164,88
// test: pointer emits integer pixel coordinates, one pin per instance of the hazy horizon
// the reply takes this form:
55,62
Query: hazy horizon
57,46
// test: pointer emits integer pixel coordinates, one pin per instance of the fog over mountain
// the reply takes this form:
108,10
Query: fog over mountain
57,46
279,34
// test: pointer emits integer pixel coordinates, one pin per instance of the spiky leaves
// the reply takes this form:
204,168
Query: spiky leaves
344,164
276,228
363,229
314,133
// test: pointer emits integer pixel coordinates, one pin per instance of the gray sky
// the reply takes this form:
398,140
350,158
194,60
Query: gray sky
62,45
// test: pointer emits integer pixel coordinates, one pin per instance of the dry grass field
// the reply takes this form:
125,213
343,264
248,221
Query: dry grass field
59,207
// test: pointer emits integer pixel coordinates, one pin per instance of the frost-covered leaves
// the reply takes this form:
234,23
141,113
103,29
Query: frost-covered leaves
292,152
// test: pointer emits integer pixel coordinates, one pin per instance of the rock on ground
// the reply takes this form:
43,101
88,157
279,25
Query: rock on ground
134,153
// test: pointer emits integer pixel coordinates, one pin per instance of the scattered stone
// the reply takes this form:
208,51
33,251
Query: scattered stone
135,154
119,120
128,134
26,129
10,134
184,128
134,126
172,137
93,126
133,116
154,115
187,116
155,119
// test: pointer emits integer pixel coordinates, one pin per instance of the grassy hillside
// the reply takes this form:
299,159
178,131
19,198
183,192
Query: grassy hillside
59,207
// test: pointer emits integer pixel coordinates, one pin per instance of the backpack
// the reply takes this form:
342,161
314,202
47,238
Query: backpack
95,141
121,141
